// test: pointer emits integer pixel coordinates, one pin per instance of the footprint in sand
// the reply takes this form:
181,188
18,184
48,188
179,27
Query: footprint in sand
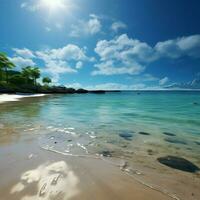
53,181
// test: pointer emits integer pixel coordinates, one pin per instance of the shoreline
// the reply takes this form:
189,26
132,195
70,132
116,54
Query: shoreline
16,97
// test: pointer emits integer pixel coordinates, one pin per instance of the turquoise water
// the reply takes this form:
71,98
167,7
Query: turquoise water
172,111
104,116
92,125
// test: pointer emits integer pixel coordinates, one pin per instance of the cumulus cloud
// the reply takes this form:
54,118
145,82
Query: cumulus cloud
116,26
56,68
25,53
111,68
90,27
74,85
115,86
68,52
57,60
79,65
183,46
163,81
22,62
124,55
68,59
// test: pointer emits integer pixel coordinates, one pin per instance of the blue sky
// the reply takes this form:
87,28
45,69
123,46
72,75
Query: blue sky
107,44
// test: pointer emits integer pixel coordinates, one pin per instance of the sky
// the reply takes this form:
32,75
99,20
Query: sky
107,44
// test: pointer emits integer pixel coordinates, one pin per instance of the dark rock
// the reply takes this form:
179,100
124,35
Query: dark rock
169,134
126,136
178,163
144,133
150,152
175,141
195,103
55,142
106,153
198,143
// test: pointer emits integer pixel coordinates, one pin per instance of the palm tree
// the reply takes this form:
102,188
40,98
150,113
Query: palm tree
2,62
46,80
35,72
5,64
26,73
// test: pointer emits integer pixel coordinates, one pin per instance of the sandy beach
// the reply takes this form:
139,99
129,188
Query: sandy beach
48,153
16,97
30,173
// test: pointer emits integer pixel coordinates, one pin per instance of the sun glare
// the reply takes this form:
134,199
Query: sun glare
54,6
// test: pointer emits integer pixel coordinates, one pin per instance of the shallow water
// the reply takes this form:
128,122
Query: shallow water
90,125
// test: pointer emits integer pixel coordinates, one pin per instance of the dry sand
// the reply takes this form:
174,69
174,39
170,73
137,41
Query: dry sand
16,97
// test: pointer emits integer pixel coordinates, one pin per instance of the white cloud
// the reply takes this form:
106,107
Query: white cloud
25,53
79,65
22,62
149,77
110,68
90,27
56,68
59,61
116,26
163,81
74,85
115,86
68,52
183,46
124,55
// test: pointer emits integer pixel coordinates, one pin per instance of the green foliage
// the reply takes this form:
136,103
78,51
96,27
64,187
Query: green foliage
35,74
31,74
17,79
5,64
26,81
46,80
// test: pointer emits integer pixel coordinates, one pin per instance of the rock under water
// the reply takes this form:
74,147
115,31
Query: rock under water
178,163
175,141
106,153
143,133
198,143
126,135
169,134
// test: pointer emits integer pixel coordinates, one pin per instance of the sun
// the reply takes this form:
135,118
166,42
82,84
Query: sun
53,6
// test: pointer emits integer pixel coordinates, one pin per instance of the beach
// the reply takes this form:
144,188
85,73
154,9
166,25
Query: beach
16,97
98,146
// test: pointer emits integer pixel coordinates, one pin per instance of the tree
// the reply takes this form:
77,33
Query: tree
35,72
17,80
46,80
26,73
5,64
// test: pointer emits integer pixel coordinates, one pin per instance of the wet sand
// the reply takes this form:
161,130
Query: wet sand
28,172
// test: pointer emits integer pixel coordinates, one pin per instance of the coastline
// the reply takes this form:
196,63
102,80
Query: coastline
16,97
